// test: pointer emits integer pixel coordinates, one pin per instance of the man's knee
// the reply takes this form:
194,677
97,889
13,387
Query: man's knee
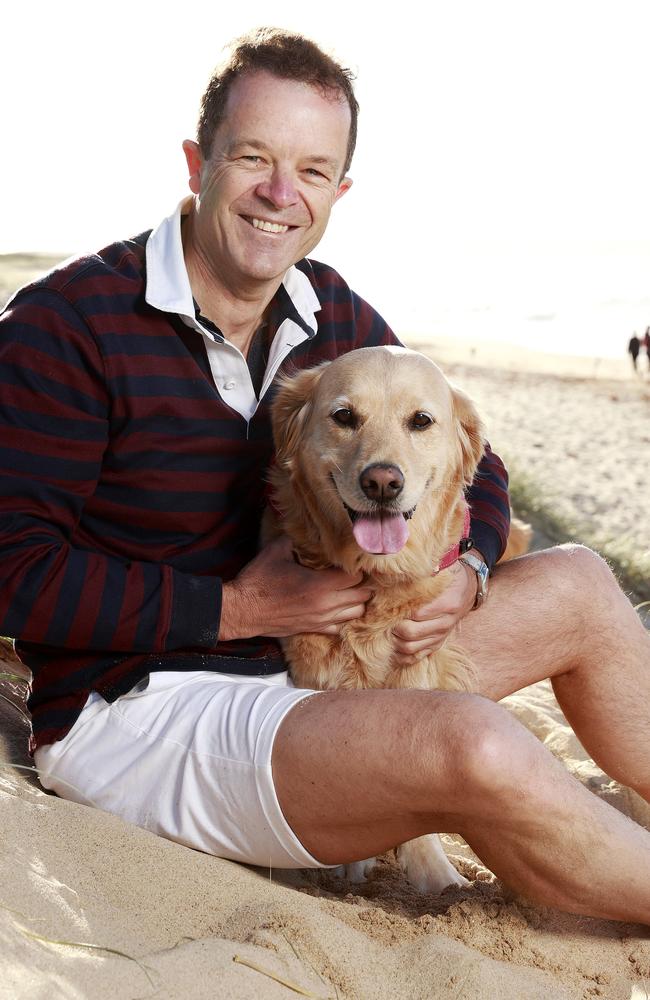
582,563
588,589
572,568
487,754
581,583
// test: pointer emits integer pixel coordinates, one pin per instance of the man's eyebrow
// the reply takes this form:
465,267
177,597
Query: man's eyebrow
319,159
246,141
324,161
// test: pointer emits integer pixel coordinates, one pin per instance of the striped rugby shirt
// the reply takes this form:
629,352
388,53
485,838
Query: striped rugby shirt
130,488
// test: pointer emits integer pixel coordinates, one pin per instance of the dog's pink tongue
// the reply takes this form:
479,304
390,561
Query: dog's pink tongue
381,535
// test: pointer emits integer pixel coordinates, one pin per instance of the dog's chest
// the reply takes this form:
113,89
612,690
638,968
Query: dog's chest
362,655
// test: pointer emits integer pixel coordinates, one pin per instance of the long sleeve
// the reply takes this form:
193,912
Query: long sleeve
490,507
57,587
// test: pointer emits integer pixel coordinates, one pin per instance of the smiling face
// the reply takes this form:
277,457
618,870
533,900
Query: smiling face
264,197
377,446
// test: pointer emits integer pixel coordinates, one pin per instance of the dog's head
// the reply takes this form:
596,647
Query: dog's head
375,446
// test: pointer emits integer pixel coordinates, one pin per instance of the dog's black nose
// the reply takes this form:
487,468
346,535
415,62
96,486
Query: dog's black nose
381,482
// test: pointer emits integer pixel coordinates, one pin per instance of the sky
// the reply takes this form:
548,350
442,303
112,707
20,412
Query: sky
501,179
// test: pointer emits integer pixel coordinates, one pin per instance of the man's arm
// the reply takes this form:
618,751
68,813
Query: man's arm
54,419
489,508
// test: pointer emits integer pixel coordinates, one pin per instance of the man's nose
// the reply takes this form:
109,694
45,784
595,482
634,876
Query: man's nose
278,188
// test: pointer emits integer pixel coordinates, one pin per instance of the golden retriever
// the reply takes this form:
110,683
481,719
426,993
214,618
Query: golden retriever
373,454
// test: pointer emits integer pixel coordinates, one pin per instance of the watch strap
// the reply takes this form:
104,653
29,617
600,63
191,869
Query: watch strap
482,575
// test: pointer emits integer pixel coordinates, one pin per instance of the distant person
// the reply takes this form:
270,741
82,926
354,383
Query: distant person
633,349
646,344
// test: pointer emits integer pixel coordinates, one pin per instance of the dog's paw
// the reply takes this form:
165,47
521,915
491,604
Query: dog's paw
426,865
356,871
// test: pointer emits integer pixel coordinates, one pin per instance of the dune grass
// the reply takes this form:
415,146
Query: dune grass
628,560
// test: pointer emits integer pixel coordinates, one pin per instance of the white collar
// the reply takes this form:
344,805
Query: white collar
168,286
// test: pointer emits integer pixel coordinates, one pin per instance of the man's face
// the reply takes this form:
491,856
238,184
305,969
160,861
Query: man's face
266,192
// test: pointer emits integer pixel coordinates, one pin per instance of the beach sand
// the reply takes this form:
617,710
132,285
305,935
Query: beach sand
91,907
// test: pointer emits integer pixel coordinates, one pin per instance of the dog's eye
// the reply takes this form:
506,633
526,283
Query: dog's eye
421,420
344,417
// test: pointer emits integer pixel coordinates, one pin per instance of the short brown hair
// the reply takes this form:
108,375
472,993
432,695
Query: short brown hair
287,55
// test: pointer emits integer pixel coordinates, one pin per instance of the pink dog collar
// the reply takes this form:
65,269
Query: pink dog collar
462,546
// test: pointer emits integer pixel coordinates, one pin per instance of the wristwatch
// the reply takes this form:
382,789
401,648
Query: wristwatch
472,560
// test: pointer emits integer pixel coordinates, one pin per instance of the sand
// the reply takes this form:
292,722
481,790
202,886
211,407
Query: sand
91,907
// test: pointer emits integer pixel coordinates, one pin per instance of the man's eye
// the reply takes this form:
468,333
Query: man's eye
252,159
421,420
312,172
344,417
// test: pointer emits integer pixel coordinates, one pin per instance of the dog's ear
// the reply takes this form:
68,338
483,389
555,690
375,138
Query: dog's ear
471,434
290,409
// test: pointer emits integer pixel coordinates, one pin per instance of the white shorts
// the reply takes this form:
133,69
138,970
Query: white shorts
187,756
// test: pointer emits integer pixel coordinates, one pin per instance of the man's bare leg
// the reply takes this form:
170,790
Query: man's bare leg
561,614
358,772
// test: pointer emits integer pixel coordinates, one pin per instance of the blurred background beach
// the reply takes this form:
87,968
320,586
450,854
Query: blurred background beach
500,221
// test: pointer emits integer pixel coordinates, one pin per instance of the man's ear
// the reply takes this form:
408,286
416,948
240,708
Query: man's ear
345,185
194,158
471,435
290,410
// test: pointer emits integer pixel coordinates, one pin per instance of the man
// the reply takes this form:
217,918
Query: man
136,414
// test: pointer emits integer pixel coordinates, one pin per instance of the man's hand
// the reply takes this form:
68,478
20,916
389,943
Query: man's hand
275,596
421,635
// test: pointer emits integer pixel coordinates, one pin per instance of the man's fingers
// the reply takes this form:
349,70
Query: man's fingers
434,611
346,581
414,631
329,630
411,638
405,654
333,626
348,614
423,647
360,595
333,603
428,626
410,661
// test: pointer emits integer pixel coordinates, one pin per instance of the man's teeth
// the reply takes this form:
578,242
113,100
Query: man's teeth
269,227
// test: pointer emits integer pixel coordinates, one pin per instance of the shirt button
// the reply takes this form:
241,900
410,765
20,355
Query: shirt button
230,385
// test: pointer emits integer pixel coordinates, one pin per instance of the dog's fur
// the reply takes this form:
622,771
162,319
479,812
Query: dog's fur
370,410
